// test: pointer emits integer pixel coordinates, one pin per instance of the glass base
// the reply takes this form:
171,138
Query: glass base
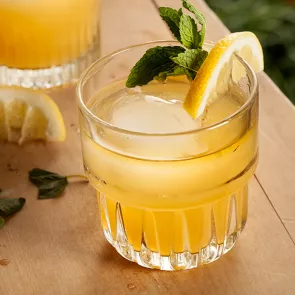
48,78
175,261
177,239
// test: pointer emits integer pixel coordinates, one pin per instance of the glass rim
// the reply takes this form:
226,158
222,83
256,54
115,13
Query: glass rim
87,112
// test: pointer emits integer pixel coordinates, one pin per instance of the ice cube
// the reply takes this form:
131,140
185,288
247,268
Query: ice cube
151,114
147,112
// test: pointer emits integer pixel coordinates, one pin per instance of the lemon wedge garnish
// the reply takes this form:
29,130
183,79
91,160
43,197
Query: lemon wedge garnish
216,66
27,115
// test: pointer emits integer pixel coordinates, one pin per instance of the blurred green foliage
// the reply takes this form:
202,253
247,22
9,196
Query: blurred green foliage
273,21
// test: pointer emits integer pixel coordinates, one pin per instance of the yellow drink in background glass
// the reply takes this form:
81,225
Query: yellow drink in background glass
172,191
38,35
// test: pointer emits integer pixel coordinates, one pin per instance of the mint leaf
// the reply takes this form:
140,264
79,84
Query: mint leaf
176,71
189,73
10,206
50,184
168,72
199,16
2,221
172,18
191,59
189,32
154,61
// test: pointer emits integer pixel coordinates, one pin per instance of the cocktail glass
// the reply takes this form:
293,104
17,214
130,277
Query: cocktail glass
168,198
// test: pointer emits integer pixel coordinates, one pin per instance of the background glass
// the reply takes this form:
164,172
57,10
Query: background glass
47,43
159,209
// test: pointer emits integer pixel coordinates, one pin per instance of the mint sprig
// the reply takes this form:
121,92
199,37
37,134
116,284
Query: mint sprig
172,18
161,62
50,185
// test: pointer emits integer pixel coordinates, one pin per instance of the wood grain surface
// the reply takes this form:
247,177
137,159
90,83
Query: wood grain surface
57,246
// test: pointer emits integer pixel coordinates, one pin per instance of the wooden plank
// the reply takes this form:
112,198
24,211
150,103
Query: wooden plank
130,22
57,247
277,153
277,138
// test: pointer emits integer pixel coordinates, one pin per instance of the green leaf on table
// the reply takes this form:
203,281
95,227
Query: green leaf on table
9,206
191,59
154,61
2,221
189,32
172,18
50,184
200,18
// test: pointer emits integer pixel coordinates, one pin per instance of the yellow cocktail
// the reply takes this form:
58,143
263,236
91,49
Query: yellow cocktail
172,191
38,35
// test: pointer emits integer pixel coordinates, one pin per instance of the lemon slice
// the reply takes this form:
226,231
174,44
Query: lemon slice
29,115
213,73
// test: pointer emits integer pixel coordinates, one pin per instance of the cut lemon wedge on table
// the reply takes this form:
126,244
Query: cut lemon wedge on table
27,115
217,64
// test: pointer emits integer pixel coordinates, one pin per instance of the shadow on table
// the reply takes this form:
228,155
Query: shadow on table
206,279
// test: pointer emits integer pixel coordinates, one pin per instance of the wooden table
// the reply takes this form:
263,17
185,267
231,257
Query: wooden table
57,246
